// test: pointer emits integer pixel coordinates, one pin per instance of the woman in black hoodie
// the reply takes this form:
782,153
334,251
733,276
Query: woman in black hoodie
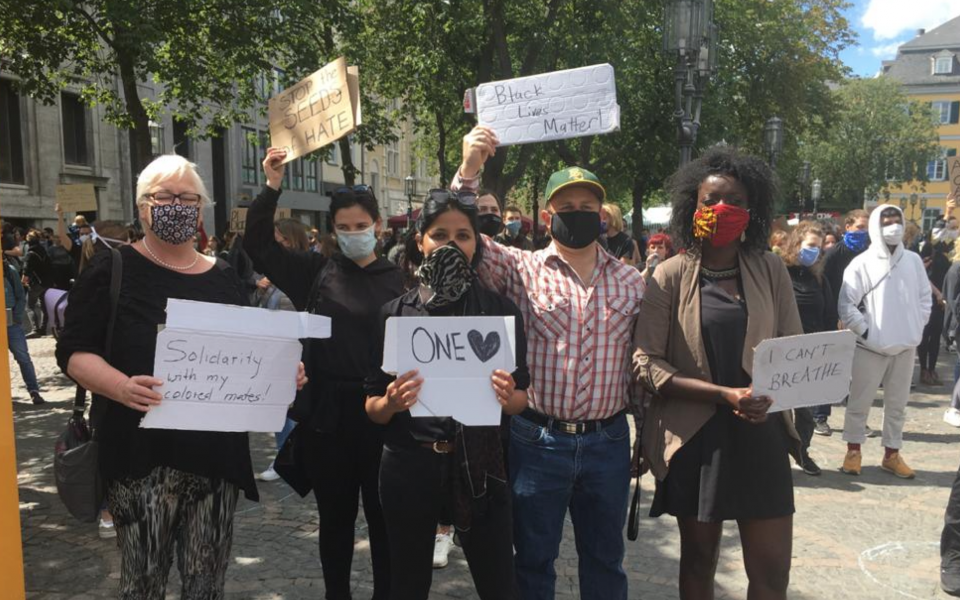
803,254
339,445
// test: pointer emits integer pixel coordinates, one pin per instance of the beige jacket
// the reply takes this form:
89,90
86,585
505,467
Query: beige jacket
668,341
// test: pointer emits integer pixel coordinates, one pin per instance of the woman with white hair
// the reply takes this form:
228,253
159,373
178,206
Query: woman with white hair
164,487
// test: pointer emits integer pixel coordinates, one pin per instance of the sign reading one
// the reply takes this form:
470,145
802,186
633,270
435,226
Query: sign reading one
804,370
317,111
228,368
238,218
456,357
80,197
553,106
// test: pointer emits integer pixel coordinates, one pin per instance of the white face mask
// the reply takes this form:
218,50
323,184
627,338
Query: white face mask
893,234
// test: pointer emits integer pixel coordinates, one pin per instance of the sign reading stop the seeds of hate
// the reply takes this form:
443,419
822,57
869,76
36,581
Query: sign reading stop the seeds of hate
80,197
804,370
456,356
238,218
317,111
552,106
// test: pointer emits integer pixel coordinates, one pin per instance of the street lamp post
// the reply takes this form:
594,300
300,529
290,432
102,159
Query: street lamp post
410,187
804,181
690,34
815,189
913,207
773,140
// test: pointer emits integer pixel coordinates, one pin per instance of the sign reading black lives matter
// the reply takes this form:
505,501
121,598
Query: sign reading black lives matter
552,106
456,356
228,368
804,370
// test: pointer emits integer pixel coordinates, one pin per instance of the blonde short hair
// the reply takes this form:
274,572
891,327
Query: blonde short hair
614,217
165,167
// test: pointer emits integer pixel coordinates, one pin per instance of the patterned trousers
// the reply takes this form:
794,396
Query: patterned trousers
170,508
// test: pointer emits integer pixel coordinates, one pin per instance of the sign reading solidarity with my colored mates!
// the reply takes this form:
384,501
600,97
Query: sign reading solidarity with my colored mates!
552,106
804,370
228,368
317,111
456,357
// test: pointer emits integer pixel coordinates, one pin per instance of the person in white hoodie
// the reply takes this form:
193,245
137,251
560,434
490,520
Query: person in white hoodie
885,299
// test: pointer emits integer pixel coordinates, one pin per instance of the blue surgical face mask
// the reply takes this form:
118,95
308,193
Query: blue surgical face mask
808,256
513,227
856,240
357,245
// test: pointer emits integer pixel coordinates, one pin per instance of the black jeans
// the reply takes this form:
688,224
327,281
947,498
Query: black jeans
414,485
929,348
804,422
343,466
950,539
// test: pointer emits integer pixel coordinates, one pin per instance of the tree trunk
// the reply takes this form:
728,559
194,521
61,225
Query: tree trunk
141,149
639,191
442,149
346,162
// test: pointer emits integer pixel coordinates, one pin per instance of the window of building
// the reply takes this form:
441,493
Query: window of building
943,65
11,136
74,115
296,175
156,138
334,157
310,166
941,111
250,154
277,81
375,184
393,158
181,143
937,169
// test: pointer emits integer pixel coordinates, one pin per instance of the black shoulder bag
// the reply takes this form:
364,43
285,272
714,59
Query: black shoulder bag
76,462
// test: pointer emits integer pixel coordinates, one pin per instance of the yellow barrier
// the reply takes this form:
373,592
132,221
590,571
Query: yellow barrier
11,548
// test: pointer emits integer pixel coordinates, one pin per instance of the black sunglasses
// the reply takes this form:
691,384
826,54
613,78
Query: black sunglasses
357,189
442,196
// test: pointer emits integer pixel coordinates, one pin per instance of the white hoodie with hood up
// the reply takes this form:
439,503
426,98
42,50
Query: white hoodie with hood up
898,308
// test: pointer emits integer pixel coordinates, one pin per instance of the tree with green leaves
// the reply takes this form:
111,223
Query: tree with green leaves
877,139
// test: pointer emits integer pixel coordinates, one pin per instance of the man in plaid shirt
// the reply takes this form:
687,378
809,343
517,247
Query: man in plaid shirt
571,448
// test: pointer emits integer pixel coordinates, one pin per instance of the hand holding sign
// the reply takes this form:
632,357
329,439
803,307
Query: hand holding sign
478,146
748,407
273,166
402,391
137,392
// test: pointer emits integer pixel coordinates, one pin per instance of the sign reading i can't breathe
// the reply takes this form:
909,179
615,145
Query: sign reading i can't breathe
456,356
552,106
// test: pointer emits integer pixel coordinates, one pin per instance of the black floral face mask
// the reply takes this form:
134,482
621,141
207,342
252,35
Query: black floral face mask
175,223
446,275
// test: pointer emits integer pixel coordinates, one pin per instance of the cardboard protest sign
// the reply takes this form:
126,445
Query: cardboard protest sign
81,197
553,106
456,357
228,368
317,111
804,370
953,172
238,218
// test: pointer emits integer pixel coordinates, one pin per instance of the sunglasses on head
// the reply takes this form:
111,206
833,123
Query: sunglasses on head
442,196
356,189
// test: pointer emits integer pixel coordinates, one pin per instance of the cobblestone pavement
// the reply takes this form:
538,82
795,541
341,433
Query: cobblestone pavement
869,537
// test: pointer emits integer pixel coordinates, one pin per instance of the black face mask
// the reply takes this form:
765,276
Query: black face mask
491,224
576,229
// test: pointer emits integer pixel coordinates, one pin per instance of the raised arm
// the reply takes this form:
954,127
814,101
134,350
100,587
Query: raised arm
65,240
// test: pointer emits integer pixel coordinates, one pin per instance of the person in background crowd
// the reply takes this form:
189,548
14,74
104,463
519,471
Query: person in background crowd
339,446
886,279
803,256
951,325
389,238
570,449
214,245
490,211
315,240
913,237
16,302
165,488
619,244
72,240
855,240
513,233
432,462
659,249
935,254
777,240
38,277
830,236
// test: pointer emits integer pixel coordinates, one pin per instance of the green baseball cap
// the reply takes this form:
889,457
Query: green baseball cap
574,176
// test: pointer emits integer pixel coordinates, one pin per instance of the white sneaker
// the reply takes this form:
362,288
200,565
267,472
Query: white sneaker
107,530
952,417
441,550
269,474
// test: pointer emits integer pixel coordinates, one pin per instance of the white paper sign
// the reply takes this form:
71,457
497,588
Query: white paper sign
804,370
552,106
228,368
456,357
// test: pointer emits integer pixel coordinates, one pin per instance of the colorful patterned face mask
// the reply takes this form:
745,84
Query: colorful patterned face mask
720,224
174,223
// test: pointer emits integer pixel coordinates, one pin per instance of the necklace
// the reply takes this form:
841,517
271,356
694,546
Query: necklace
196,257
721,274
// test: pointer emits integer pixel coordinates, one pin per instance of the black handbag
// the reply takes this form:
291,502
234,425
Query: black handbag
289,465
76,463
633,522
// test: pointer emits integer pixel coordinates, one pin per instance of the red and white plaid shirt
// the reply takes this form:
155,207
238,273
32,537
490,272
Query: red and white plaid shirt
578,333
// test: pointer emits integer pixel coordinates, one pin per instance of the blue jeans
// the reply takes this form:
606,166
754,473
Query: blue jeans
17,340
284,433
589,474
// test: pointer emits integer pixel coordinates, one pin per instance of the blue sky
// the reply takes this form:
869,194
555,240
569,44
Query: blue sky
883,25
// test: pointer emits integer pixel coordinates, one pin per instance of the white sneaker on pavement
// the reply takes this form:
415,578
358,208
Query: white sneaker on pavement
441,550
952,417
269,474
107,530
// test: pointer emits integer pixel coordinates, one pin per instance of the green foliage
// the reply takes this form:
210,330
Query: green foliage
876,140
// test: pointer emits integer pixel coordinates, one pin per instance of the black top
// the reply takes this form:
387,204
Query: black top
478,301
836,262
126,450
815,300
939,265
620,246
36,265
350,295
723,325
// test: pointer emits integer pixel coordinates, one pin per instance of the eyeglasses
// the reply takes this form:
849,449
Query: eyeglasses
356,189
166,198
442,196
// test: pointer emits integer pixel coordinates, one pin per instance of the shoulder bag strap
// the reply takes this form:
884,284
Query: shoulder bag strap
116,275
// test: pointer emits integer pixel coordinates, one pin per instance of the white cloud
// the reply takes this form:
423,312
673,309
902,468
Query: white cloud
888,19
886,52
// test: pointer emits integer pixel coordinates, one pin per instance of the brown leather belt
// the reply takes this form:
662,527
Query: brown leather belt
440,447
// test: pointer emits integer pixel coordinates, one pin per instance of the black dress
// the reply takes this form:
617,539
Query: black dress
730,469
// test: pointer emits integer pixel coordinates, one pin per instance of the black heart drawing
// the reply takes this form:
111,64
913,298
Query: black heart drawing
485,349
